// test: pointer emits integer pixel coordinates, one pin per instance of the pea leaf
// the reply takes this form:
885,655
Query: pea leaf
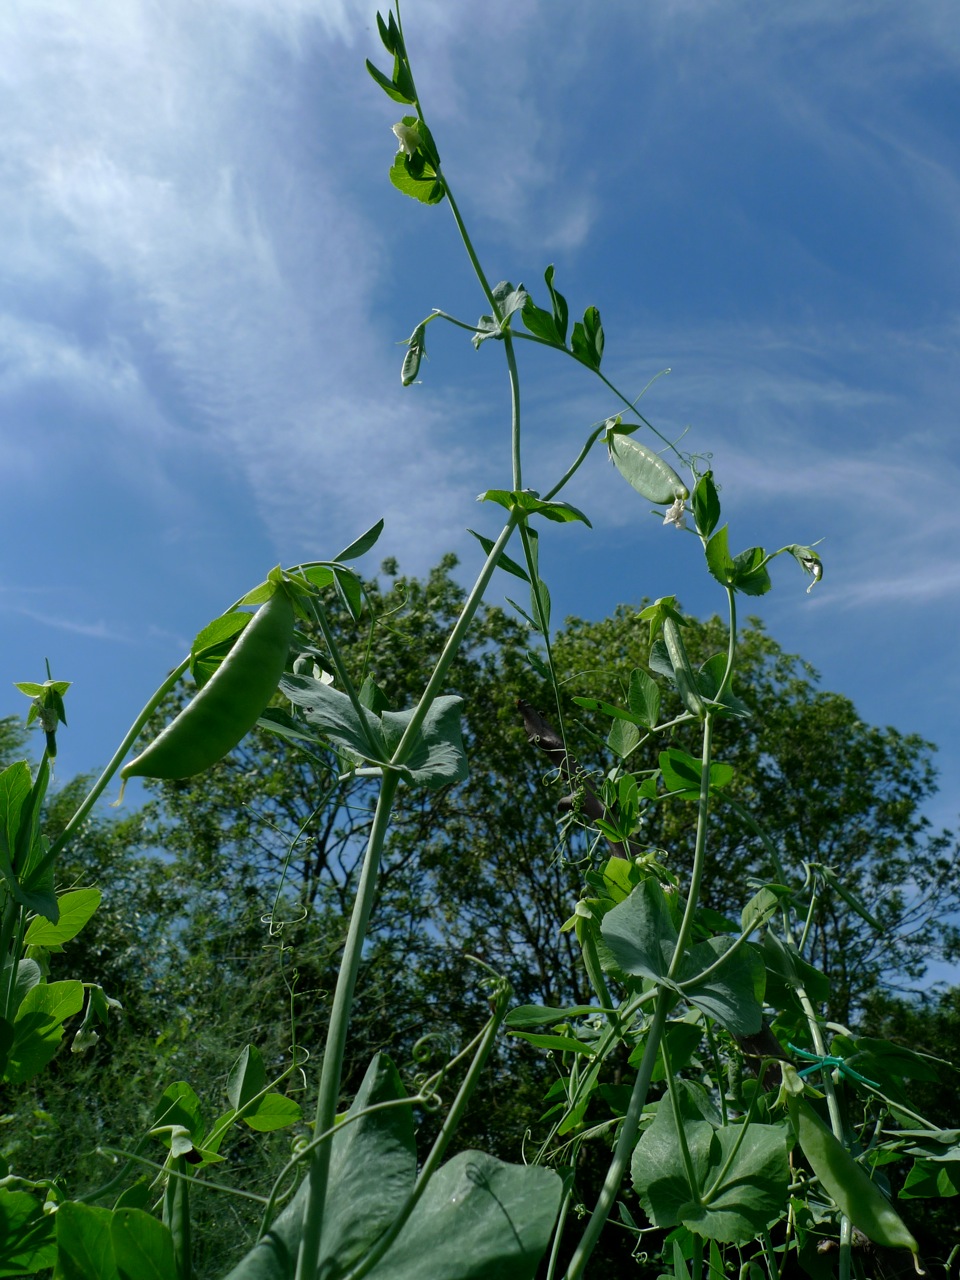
38,1027
706,504
739,1179
640,932
504,562
335,716
728,994
362,544
559,303
643,697
437,757
76,908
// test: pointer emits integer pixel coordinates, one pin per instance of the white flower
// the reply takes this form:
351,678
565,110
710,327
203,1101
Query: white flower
408,138
675,515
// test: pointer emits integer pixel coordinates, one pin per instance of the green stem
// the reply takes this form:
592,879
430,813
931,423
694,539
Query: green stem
580,459
626,1139
699,854
330,1075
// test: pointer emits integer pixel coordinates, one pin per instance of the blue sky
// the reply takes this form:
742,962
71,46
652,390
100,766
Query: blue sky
204,274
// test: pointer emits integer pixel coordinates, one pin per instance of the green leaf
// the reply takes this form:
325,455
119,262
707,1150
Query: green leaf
931,1180
373,1165
706,504
750,573
504,561
541,323
719,559
729,994
76,908
587,340
26,1235
623,738
539,1015
418,181
528,501
509,299
38,1027
560,1044
15,787
85,1243
739,1179
640,932
388,86
143,1246
559,303
247,1077
479,1219
273,1111
362,544
762,906
437,756
335,716
214,642
683,772
643,697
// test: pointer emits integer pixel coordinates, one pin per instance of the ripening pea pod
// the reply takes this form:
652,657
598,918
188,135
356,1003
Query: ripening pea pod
683,672
847,1183
229,704
648,473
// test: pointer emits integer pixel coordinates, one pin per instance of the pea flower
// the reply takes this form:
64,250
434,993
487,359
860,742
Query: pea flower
408,137
675,515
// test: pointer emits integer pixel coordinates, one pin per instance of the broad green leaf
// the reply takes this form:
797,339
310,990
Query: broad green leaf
362,544
16,784
350,590
587,340
749,573
643,697
214,642
273,1111
418,181
706,504
729,994
538,1015
640,932
762,906
437,756
142,1246
504,561
38,1027
739,1180
247,1077
479,1219
930,1180
509,299
719,559
528,501
682,772
371,696
85,1243
27,1243
623,738
335,716
540,323
560,1044
76,908
373,1165
27,976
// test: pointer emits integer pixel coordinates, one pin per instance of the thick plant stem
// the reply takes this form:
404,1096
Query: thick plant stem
308,1259
626,1139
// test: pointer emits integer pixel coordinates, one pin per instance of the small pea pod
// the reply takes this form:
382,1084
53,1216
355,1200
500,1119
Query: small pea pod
652,477
229,704
860,1199
682,670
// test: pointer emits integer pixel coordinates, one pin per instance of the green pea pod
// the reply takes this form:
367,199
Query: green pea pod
682,670
229,704
645,470
860,1199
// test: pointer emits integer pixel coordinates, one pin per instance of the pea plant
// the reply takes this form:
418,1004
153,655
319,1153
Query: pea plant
754,1137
